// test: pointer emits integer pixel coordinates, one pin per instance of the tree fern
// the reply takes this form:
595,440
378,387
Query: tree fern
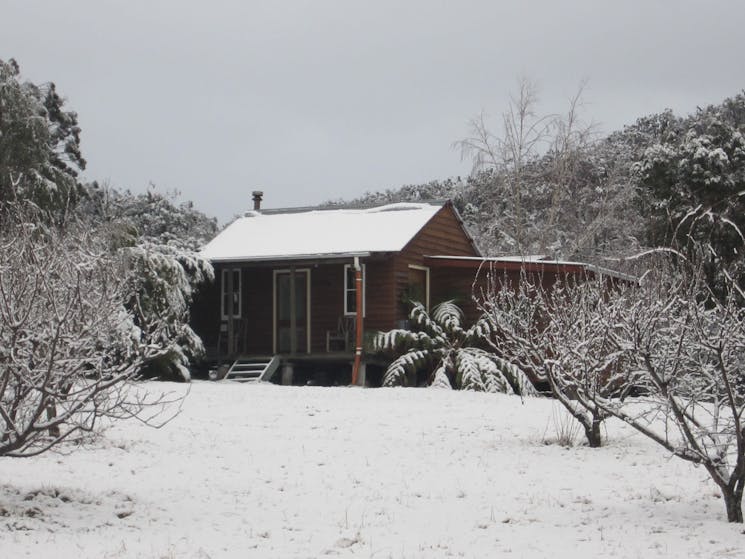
441,339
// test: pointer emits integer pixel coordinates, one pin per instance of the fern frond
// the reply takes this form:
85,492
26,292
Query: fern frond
483,330
401,340
494,382
491,375
468,372
440,377
420,317
449,317
517,378
398,372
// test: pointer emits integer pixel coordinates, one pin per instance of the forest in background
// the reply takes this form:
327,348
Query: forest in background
662,199
549,185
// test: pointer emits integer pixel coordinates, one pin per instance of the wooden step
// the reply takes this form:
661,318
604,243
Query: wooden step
252,369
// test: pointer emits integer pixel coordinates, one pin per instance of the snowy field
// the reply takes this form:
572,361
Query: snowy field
270,471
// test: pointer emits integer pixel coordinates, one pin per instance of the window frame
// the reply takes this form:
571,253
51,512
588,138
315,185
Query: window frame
238,289
347,290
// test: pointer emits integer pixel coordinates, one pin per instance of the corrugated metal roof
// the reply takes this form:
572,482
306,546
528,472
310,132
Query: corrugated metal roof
327,233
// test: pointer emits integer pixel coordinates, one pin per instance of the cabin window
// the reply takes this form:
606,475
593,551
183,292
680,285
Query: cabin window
231,293
350,290
418,288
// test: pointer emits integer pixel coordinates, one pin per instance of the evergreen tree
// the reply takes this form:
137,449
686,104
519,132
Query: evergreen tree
160,240
694,183
40,153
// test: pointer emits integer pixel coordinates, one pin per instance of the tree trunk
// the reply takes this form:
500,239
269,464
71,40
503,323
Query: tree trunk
592,422
733,501
592,432
588,416
54,430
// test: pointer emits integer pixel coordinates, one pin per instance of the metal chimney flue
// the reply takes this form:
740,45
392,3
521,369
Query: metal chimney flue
257,196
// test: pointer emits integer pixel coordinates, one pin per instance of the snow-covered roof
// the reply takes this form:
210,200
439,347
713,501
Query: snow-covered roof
319,233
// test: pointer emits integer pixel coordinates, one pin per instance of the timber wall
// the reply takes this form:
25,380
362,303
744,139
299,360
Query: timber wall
443,235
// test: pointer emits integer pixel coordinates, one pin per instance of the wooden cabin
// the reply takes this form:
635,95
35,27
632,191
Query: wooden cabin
285,290
284,305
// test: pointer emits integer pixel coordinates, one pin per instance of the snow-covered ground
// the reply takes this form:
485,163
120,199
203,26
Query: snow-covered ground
270,471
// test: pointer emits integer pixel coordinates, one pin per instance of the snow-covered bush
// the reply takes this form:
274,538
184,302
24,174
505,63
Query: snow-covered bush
69,343
684,347
159,240
40,159
154,216
162,280
439,343
696,172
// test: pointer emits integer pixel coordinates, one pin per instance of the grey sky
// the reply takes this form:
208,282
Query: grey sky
311,100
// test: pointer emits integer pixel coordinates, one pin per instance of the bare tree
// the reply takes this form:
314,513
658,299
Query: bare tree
524,136
667,357
551,332
569,140
69,349
685,349
532,152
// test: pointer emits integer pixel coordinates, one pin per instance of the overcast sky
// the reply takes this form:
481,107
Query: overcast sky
312,100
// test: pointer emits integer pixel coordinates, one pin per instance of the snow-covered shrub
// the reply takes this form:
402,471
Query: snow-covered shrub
162,279
438,343
69,343
557,334
159,240
697,173
153,236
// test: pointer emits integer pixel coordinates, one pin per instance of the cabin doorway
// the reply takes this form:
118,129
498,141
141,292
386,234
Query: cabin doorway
292,311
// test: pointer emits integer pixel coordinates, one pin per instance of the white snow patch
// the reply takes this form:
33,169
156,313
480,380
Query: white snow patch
270,471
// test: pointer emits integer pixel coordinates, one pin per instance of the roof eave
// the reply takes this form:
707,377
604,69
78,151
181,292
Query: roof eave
287,258
528,265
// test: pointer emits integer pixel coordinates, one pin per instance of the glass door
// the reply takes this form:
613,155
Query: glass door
286,336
